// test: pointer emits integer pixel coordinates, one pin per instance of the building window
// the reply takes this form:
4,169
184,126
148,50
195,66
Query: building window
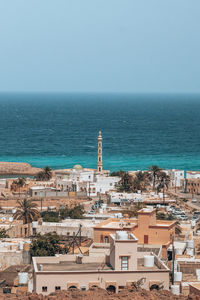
57,288
124,263
44,288
106,239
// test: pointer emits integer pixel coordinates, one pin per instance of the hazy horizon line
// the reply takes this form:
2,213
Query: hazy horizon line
100,93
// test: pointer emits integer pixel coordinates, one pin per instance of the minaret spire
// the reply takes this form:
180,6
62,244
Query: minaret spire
99,156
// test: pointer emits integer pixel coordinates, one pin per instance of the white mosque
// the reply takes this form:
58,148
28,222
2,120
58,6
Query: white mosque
89,181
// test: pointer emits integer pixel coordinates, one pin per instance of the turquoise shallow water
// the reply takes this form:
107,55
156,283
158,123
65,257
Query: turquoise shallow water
61,130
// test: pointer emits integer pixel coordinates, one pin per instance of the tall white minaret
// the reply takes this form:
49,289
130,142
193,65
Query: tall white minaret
99,156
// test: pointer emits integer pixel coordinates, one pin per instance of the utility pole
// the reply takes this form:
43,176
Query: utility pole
41,203
163,190
173,258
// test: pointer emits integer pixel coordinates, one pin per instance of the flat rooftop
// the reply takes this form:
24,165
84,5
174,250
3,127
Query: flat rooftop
70,266
73,266
119,225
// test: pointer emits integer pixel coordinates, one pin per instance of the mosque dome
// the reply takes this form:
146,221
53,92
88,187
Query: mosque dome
77,167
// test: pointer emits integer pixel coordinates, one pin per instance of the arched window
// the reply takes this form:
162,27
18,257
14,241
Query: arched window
72,287
111,289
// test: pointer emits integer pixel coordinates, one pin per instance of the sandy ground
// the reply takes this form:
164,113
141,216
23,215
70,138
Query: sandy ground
99,294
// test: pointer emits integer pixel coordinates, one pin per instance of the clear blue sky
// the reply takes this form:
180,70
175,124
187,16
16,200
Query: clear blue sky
100,45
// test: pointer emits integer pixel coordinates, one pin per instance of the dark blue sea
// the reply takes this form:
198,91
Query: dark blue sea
60,130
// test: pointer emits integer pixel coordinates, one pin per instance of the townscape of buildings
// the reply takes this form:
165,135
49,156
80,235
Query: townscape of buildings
148,239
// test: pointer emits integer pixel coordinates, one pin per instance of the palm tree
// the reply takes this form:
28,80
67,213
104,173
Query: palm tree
45,174
20,182
155,170
126,182
164,181
143,179
26,211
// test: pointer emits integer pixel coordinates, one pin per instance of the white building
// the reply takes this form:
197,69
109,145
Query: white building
102,185
192,174
116,197
176,177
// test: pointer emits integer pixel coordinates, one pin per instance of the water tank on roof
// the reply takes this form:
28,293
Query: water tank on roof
100,210
79,258
23,277
10,219
121,235
13,211
148,261
34,224
178,251
177,276
190,251
21,245
118,215
175,289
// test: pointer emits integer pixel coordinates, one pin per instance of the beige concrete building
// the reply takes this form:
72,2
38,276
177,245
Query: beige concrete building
192,186
16,228
14,252
146,228
122,266
67,227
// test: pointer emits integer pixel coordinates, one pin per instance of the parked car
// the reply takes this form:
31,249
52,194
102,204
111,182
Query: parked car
183,217
195,218
197,213
194,200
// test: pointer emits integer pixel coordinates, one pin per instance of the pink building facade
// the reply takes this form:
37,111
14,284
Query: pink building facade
123,266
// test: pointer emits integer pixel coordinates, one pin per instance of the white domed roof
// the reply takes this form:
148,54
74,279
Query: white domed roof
77,167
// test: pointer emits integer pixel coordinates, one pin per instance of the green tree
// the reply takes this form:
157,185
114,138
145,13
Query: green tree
126,183
50,216
3,234
164,181
20,182
132,211
118,173
155,170
44,175
142,180
163,216
45,245
75,212
26,211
